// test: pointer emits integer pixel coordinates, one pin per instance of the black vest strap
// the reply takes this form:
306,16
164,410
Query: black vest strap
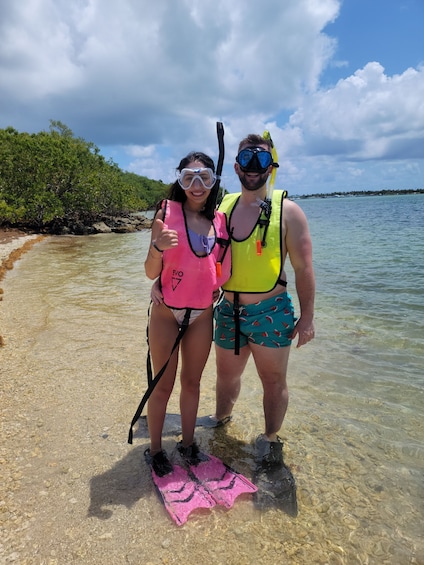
225,245
236,307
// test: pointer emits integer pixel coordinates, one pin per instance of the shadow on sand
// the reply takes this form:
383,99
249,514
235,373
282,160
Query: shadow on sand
124,484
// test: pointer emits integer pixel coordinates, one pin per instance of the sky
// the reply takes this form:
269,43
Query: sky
339,84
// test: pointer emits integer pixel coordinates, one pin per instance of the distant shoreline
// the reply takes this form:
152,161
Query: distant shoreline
360,193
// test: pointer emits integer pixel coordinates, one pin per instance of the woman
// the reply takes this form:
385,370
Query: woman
189,253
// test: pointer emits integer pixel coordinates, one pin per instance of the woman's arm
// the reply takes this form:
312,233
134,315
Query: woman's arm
162,238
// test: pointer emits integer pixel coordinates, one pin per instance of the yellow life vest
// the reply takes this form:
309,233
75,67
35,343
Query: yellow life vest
256,268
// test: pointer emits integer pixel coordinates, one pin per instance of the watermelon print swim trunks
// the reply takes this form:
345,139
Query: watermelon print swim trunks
268,322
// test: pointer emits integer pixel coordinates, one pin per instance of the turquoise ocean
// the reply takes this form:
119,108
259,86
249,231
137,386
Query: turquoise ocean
354,431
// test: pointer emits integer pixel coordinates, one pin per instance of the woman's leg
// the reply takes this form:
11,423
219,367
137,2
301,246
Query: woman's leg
163,331
195,348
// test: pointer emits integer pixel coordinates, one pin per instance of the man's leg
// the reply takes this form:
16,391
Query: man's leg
271,365
228,380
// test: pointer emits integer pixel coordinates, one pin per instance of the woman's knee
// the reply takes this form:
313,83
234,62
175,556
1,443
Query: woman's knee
162,391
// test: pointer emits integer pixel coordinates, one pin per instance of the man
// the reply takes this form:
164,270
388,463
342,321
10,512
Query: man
256,314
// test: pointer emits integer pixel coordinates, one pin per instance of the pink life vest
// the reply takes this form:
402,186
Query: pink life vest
187,280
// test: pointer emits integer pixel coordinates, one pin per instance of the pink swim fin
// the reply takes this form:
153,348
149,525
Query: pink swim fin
181,495
224,483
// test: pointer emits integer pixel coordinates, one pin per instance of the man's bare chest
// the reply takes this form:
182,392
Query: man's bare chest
243,222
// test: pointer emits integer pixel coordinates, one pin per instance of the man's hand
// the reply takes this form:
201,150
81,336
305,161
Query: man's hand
156,293
305,331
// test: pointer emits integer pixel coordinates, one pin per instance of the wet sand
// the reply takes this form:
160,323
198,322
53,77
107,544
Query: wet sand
13,243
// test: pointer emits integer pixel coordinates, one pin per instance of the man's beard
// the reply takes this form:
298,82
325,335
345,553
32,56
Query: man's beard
254,183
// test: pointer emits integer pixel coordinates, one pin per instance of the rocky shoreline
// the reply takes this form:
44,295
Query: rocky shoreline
124,223
127,223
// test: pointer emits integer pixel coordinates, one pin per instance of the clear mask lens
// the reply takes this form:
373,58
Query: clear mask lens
205,176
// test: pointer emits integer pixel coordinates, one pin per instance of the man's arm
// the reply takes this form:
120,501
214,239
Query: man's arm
299,248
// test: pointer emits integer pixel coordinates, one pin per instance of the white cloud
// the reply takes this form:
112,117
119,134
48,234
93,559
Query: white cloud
368,115
143,67
147,82
36,59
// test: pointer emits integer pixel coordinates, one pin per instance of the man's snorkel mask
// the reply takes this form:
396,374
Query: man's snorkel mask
255,160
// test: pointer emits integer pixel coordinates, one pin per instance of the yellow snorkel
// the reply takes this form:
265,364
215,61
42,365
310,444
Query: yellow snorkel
270,188
266,205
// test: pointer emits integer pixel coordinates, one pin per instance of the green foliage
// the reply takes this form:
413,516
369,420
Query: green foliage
53,175
146,190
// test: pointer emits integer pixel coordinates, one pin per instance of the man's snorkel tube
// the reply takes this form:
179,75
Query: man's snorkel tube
270,188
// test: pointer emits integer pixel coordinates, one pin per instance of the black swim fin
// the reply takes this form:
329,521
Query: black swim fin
276,488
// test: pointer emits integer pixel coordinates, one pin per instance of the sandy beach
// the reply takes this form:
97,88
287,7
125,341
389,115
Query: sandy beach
13,243
12,239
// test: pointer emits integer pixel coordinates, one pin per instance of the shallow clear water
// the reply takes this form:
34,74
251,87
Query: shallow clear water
354,432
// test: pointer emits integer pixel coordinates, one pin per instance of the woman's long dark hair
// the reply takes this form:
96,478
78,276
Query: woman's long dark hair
178,194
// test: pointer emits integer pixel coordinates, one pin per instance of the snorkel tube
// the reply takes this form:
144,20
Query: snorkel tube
220,163
270,188
266,205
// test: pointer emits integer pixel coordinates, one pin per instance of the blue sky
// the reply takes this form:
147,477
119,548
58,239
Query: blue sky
387,31
339,84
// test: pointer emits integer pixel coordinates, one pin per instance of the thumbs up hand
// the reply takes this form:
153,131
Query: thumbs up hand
162,236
